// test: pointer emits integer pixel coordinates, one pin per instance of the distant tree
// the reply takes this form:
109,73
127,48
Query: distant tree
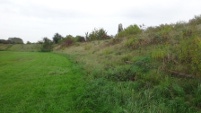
57,38
98,34
39,42
130,30
87,36
47,45
3,41
15,40
68,40
28,42
120,28
79,39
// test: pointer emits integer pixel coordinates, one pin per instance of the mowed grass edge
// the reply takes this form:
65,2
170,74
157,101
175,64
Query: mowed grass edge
38,82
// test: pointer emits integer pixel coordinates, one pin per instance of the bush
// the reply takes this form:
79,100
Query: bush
130,72
15,40
130,30
189,55
98,34
47,45
79,39
68,41
57,38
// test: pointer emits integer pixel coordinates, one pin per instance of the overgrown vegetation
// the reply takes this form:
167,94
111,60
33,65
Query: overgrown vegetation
156,69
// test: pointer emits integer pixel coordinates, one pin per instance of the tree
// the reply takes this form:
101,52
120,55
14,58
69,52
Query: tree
68,40
130,30
57,38
28,42
120,28
79,39
47,45
98,34
15,40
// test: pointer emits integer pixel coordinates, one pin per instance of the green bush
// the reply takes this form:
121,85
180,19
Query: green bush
68,41
98,34
130,72
47,45
189,52
57,38
130,30
79,39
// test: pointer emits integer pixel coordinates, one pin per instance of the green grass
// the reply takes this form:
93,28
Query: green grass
20,47
38,82
126,80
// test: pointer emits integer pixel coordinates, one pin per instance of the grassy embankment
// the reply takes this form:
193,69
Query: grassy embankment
152,70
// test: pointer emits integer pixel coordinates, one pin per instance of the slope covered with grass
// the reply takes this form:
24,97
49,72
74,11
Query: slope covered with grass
157,69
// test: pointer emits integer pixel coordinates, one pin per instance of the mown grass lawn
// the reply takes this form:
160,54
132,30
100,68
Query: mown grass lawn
38,82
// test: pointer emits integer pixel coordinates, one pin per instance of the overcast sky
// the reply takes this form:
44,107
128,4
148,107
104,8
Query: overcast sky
32,20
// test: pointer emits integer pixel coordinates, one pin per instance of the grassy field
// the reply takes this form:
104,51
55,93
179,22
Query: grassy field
20,47
38,82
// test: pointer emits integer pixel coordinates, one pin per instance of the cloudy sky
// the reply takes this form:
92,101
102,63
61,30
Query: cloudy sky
32,20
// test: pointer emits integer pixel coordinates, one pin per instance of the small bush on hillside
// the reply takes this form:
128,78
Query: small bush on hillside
189,52
130,30
79,39
98,34
131,71
132,43
68,41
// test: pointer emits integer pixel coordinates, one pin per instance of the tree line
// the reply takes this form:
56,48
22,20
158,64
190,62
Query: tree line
12,40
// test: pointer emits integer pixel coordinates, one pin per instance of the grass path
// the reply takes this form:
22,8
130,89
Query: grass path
37,82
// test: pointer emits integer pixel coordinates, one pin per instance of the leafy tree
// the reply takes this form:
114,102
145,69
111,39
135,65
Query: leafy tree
47,45
57,38
130,30
98,34
15,40
2,41
28,42
68,40
120,28
80,39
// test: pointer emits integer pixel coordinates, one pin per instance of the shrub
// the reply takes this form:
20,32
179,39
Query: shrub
15,40
189,55
98,34
79,39
130,30
57,38
130,72
47,45
68,41
132,43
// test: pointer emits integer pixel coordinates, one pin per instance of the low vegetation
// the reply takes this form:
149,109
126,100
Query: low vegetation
144,70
